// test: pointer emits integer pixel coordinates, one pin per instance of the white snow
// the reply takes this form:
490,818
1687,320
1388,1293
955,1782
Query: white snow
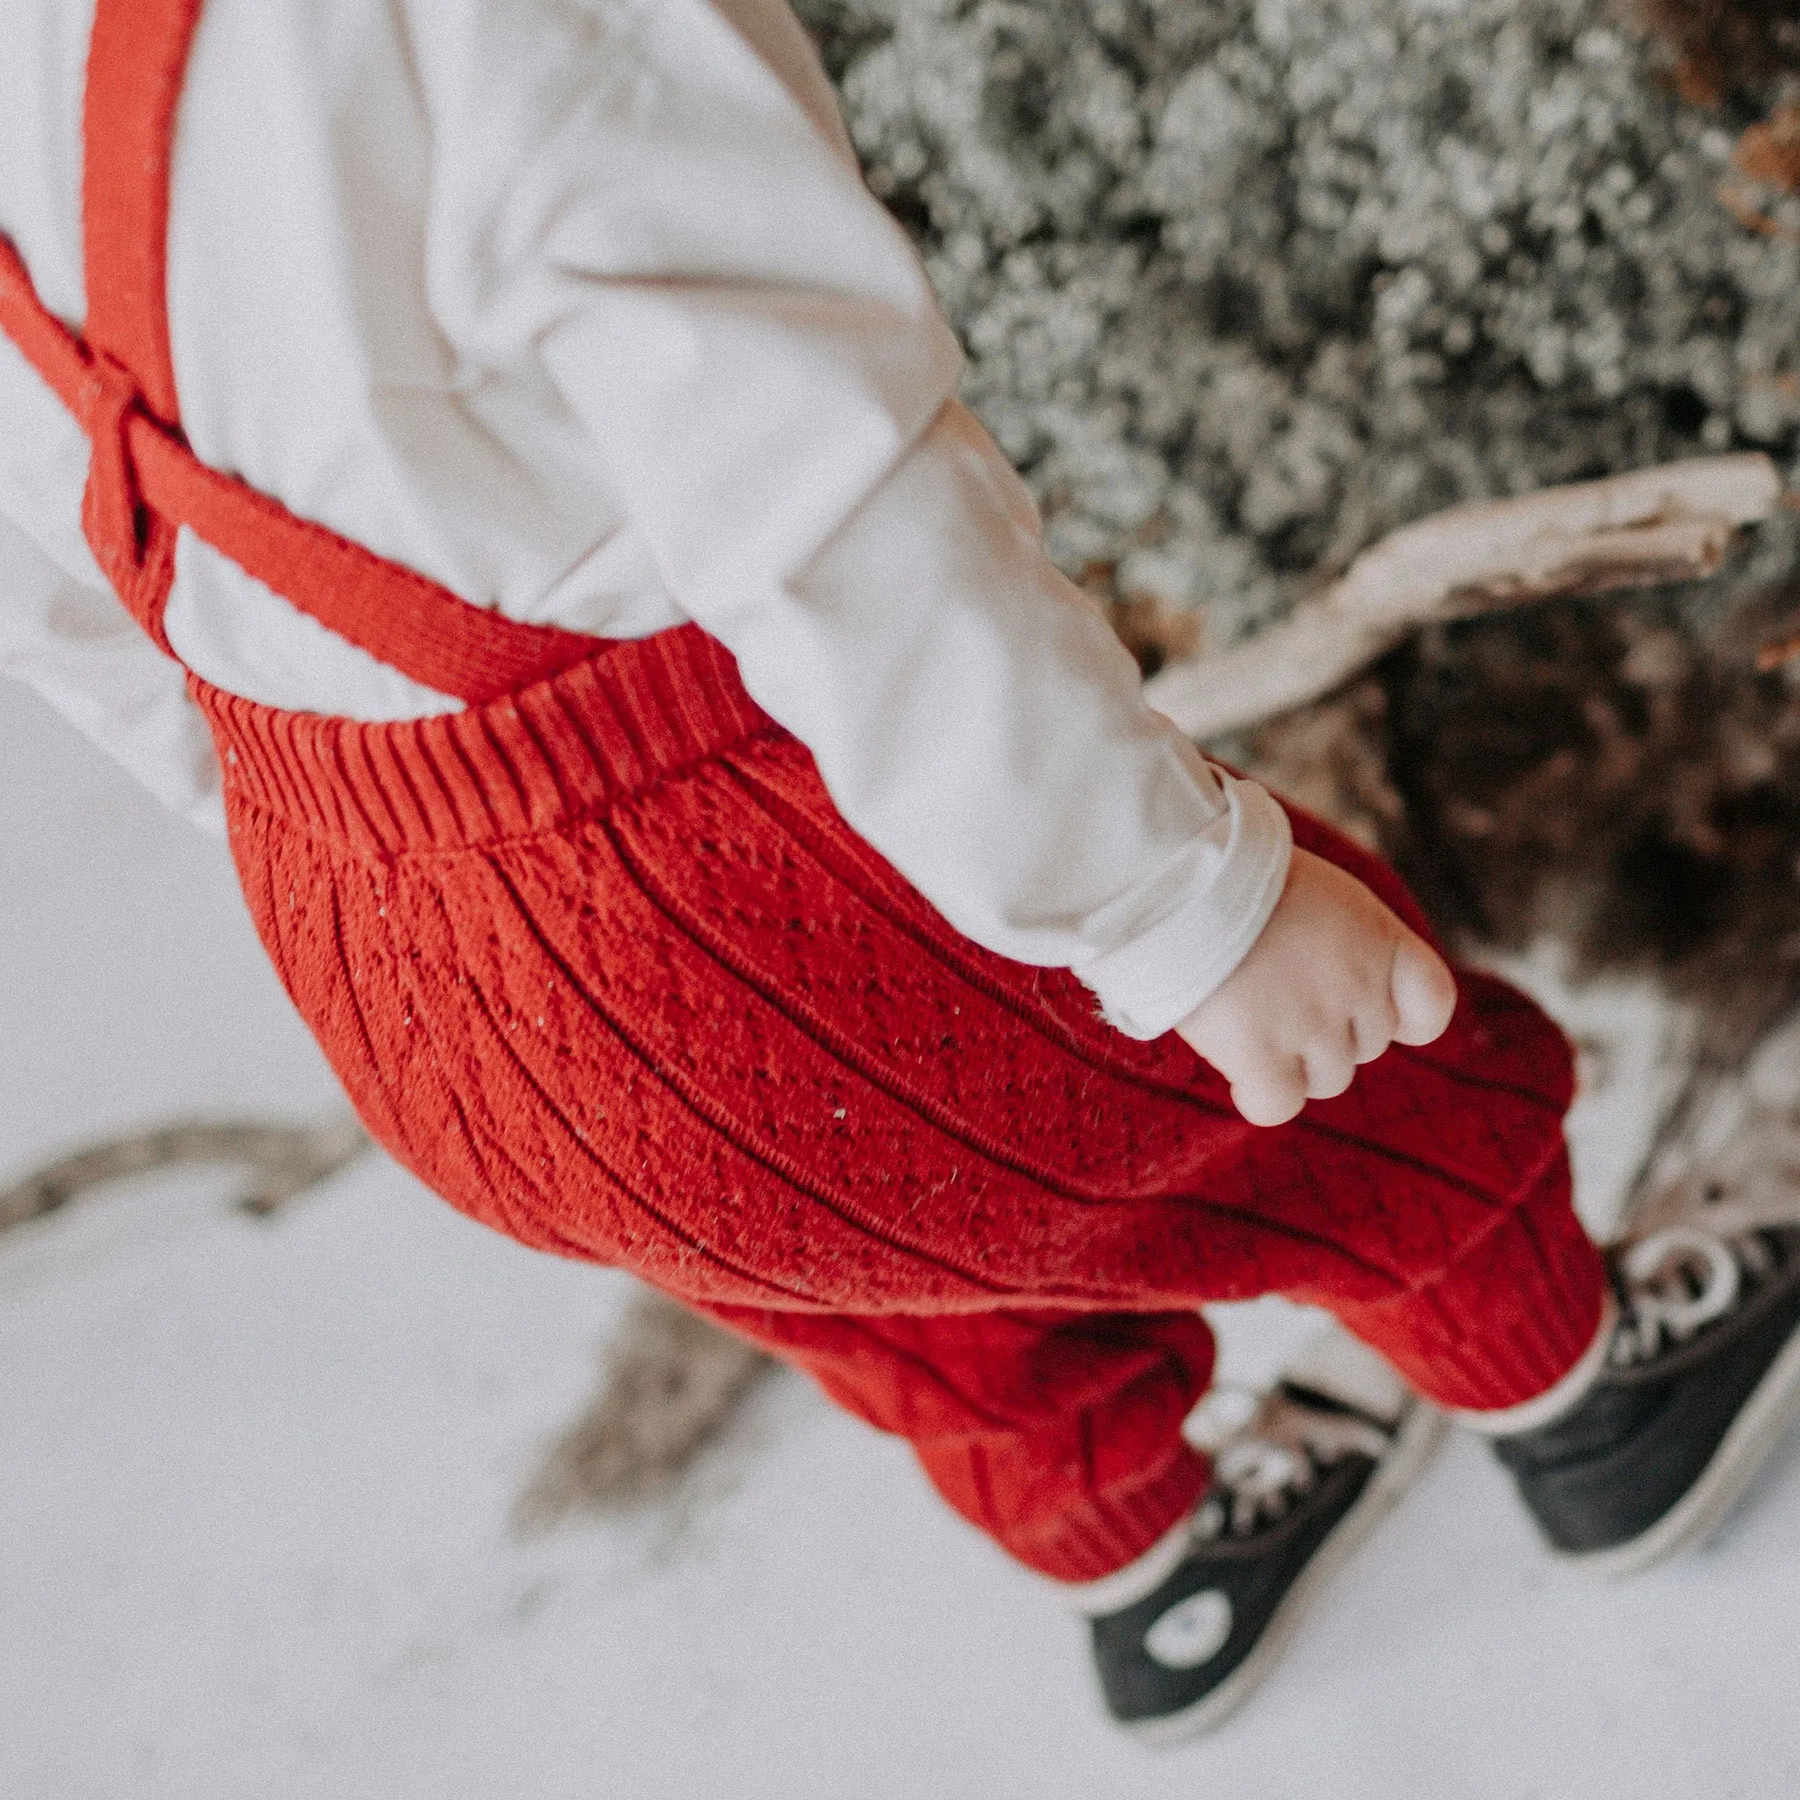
255,1478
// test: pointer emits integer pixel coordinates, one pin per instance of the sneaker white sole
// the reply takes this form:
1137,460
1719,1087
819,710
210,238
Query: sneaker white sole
1419,1435
1761,1424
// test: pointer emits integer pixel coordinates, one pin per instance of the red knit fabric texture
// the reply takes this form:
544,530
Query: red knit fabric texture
604,966
599,960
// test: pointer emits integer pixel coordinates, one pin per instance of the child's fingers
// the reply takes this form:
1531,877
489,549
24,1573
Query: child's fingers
1330,1066
1424,992
1372,1028
1269,1091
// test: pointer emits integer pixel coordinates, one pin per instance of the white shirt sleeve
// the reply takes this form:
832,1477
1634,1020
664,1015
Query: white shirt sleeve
584,310
83,652
64,632
770,387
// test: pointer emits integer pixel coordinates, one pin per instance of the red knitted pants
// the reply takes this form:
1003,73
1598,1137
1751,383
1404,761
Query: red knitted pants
601,963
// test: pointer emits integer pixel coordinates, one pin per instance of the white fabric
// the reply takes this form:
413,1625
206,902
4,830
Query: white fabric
580,307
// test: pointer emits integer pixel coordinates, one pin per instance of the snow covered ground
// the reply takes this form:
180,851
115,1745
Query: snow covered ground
255,1482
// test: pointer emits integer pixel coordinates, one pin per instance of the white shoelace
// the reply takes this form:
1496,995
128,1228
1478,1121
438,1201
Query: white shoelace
1274,1460
1677,1282
1687,1261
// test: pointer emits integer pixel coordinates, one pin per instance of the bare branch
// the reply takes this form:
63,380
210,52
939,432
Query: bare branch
672,1379
283,1161
1673,523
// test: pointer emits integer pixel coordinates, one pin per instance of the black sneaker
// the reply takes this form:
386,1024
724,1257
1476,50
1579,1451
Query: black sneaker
1701,1381
1323,1458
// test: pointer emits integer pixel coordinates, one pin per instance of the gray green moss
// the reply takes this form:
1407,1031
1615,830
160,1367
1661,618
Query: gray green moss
1245,283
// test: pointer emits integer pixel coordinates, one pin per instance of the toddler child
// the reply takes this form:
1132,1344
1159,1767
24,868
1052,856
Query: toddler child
500,460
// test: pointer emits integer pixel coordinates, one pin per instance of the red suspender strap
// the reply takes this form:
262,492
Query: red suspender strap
136,62
119,381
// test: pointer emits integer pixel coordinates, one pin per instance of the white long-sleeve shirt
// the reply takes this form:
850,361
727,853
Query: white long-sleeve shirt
580,307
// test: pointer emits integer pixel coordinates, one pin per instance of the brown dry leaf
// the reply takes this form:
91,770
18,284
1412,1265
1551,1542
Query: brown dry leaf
1700,81
1154,632
1721,46
1748,214
1770,152
1773,655
1331,758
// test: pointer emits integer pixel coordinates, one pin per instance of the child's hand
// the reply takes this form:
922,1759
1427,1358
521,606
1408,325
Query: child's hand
1333,980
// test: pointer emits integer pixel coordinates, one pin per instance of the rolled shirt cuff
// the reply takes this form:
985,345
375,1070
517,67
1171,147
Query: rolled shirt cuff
1150,984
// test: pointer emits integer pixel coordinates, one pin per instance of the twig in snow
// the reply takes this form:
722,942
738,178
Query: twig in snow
284,1160
671,1380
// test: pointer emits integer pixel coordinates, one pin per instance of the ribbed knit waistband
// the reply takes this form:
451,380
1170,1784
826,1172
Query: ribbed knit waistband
566,747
